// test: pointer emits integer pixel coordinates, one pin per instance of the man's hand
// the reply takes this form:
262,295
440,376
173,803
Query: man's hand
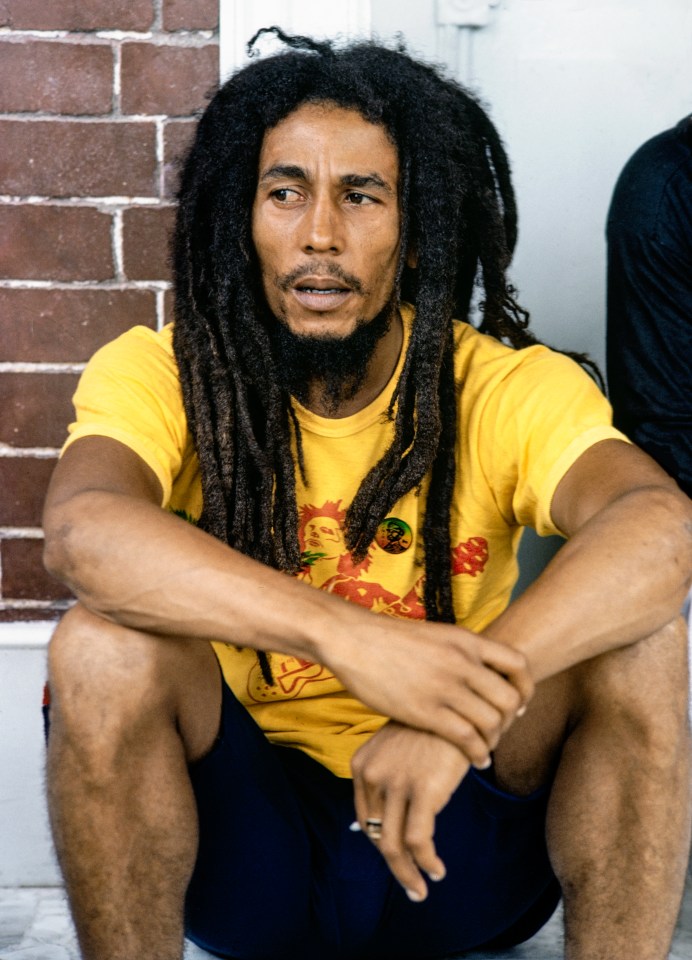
439,678
404,777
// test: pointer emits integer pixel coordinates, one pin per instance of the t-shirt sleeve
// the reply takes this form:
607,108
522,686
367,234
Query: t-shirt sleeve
541,417
130,392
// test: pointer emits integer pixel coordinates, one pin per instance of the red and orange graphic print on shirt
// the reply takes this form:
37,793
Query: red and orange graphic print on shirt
321,707
328,565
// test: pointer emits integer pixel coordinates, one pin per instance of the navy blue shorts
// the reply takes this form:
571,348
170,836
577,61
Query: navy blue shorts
279,875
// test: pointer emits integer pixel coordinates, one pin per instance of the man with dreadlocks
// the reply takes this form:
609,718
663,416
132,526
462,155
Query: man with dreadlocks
218,722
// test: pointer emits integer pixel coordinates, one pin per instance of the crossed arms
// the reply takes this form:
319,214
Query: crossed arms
622,575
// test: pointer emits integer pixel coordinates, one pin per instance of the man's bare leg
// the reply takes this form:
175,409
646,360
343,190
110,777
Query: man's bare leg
128,712
619,816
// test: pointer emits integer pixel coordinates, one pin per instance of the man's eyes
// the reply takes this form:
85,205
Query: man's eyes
359,199
286,195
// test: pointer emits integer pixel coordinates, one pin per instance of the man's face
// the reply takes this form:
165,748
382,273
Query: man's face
325,221
324,534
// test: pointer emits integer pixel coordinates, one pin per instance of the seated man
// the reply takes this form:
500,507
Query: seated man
291,523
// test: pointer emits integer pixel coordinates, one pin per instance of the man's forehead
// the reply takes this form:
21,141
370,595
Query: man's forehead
362,150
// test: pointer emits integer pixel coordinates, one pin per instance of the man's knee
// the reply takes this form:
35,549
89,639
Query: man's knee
641,693
112,685
92,661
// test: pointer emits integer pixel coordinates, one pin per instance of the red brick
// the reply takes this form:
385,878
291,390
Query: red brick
23,481
40,242
35,408
190,14
56,158
23,575
67,326
76,14
177,140
9,615
56,77
163,79
146,242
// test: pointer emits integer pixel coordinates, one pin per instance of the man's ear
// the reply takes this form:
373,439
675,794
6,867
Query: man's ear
412,258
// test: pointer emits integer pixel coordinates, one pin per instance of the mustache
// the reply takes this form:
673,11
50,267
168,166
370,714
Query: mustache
315,268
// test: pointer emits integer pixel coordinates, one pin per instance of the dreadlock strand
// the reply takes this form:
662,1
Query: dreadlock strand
436,528
375,496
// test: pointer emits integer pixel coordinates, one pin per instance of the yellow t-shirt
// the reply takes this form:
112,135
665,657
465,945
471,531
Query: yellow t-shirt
524,418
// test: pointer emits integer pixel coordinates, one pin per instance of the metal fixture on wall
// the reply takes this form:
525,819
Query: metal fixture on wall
457,21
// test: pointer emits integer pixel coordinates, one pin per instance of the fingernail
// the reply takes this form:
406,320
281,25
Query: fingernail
355,827
521,711
485,765
436,877
414,896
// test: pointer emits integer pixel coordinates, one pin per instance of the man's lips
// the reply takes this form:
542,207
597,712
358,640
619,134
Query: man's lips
320,293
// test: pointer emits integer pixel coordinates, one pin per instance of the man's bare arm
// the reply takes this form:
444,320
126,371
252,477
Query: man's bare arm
621,577
624,571
131,562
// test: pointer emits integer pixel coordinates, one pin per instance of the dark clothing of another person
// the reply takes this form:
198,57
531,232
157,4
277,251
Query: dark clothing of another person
649,358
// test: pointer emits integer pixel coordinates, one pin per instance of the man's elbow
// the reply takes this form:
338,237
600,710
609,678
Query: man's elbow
68,538
673,510
58,549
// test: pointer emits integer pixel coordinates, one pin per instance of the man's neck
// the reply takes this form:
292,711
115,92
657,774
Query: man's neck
381,367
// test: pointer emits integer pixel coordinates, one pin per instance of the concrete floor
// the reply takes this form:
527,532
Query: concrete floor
35,925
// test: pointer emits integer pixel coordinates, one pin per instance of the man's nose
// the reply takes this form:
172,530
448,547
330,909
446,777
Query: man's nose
322,227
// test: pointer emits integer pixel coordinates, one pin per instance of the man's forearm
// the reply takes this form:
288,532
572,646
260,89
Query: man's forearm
620,578
138,565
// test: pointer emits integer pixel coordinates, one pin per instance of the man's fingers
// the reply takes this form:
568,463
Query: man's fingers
381,818
403,777
360,800
500,699
473,716
510,664
449,724
393,848
494,686
405,840
419,831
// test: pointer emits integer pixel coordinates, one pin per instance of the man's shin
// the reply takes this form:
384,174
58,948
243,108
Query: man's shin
619,816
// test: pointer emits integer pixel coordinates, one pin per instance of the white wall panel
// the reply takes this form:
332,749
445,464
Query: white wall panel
26,853
574,87
240,19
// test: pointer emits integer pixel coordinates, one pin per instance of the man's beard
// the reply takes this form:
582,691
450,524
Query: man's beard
337,365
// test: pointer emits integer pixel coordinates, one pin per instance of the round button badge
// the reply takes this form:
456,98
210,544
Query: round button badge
394,535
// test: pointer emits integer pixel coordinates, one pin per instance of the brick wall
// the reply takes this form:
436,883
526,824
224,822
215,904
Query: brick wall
97,101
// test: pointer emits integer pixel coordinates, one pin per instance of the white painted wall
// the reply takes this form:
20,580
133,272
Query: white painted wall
26,856
574,86
241,19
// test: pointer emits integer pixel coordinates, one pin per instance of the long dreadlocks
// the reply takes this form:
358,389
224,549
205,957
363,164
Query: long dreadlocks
459,219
